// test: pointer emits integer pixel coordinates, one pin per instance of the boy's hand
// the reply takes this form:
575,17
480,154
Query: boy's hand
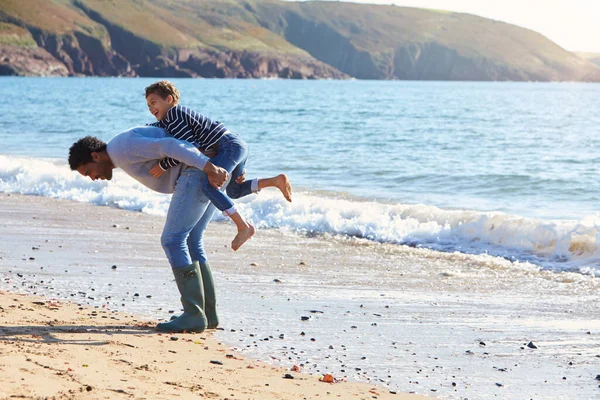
156,171
217,176
240,179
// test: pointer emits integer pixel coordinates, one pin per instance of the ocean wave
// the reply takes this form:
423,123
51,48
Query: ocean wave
559,245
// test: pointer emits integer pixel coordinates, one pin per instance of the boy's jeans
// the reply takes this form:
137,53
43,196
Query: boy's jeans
232,154
189,214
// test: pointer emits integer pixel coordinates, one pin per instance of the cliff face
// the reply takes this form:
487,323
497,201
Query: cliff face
22,61
272,38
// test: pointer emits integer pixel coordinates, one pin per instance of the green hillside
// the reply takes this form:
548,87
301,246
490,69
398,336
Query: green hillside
264,38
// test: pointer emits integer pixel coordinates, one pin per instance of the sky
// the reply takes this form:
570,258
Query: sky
572,24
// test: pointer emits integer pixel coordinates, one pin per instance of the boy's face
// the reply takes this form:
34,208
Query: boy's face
159,106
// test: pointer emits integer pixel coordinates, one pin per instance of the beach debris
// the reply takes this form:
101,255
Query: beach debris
88,388
499,384
39,303
598,377
35,248
296,368
288,376
253,264
469,352
482,343
316,311
531,345
276,280
327,378
174,338
304,318
217,362
302,263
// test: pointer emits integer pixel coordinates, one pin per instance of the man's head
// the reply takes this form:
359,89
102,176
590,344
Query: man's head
88,156
161,96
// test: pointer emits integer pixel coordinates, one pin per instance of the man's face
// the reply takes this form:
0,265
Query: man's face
97,169
159,106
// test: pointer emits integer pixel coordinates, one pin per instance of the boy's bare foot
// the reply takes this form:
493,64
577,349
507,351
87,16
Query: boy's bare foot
283,183
242,236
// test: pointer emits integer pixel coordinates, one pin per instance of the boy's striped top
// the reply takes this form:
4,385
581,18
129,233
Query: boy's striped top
186,124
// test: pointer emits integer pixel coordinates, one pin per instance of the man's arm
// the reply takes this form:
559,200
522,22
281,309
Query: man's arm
158,148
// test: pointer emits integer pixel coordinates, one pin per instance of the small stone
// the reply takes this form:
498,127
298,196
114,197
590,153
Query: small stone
304,318
288,376
253,264
174,338
216,362
531,345
88,388
499,384
114,267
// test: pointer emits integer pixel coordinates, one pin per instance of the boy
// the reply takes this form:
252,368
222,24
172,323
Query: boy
207,135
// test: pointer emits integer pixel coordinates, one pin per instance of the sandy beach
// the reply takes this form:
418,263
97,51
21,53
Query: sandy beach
53,349
393,318
64,350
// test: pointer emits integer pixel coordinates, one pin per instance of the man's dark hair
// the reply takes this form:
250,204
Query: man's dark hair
81,151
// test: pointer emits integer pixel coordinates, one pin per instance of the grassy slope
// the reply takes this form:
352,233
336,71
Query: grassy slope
15,36
52,16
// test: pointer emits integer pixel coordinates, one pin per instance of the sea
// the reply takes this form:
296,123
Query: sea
504,169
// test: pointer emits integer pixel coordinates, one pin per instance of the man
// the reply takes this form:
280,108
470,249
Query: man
136,151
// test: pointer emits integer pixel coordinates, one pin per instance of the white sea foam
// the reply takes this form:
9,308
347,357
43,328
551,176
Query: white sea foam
553,244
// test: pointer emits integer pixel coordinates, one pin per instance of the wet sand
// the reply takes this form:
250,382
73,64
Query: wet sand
404,319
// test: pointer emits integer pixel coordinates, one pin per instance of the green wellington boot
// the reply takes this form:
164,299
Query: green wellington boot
189,283
210,298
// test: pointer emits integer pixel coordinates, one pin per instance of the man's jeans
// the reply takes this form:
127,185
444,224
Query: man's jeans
188,216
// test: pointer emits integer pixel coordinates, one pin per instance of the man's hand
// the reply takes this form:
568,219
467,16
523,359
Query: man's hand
156,171
240,179
217,176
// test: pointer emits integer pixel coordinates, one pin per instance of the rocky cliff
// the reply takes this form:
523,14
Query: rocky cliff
272,38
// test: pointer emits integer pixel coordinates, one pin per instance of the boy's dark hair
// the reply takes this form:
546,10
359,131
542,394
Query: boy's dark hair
81,151
164,89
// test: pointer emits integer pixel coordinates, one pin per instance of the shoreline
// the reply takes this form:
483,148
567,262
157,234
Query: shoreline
447,325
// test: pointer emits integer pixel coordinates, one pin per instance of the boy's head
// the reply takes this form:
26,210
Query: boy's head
161,96
88,156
